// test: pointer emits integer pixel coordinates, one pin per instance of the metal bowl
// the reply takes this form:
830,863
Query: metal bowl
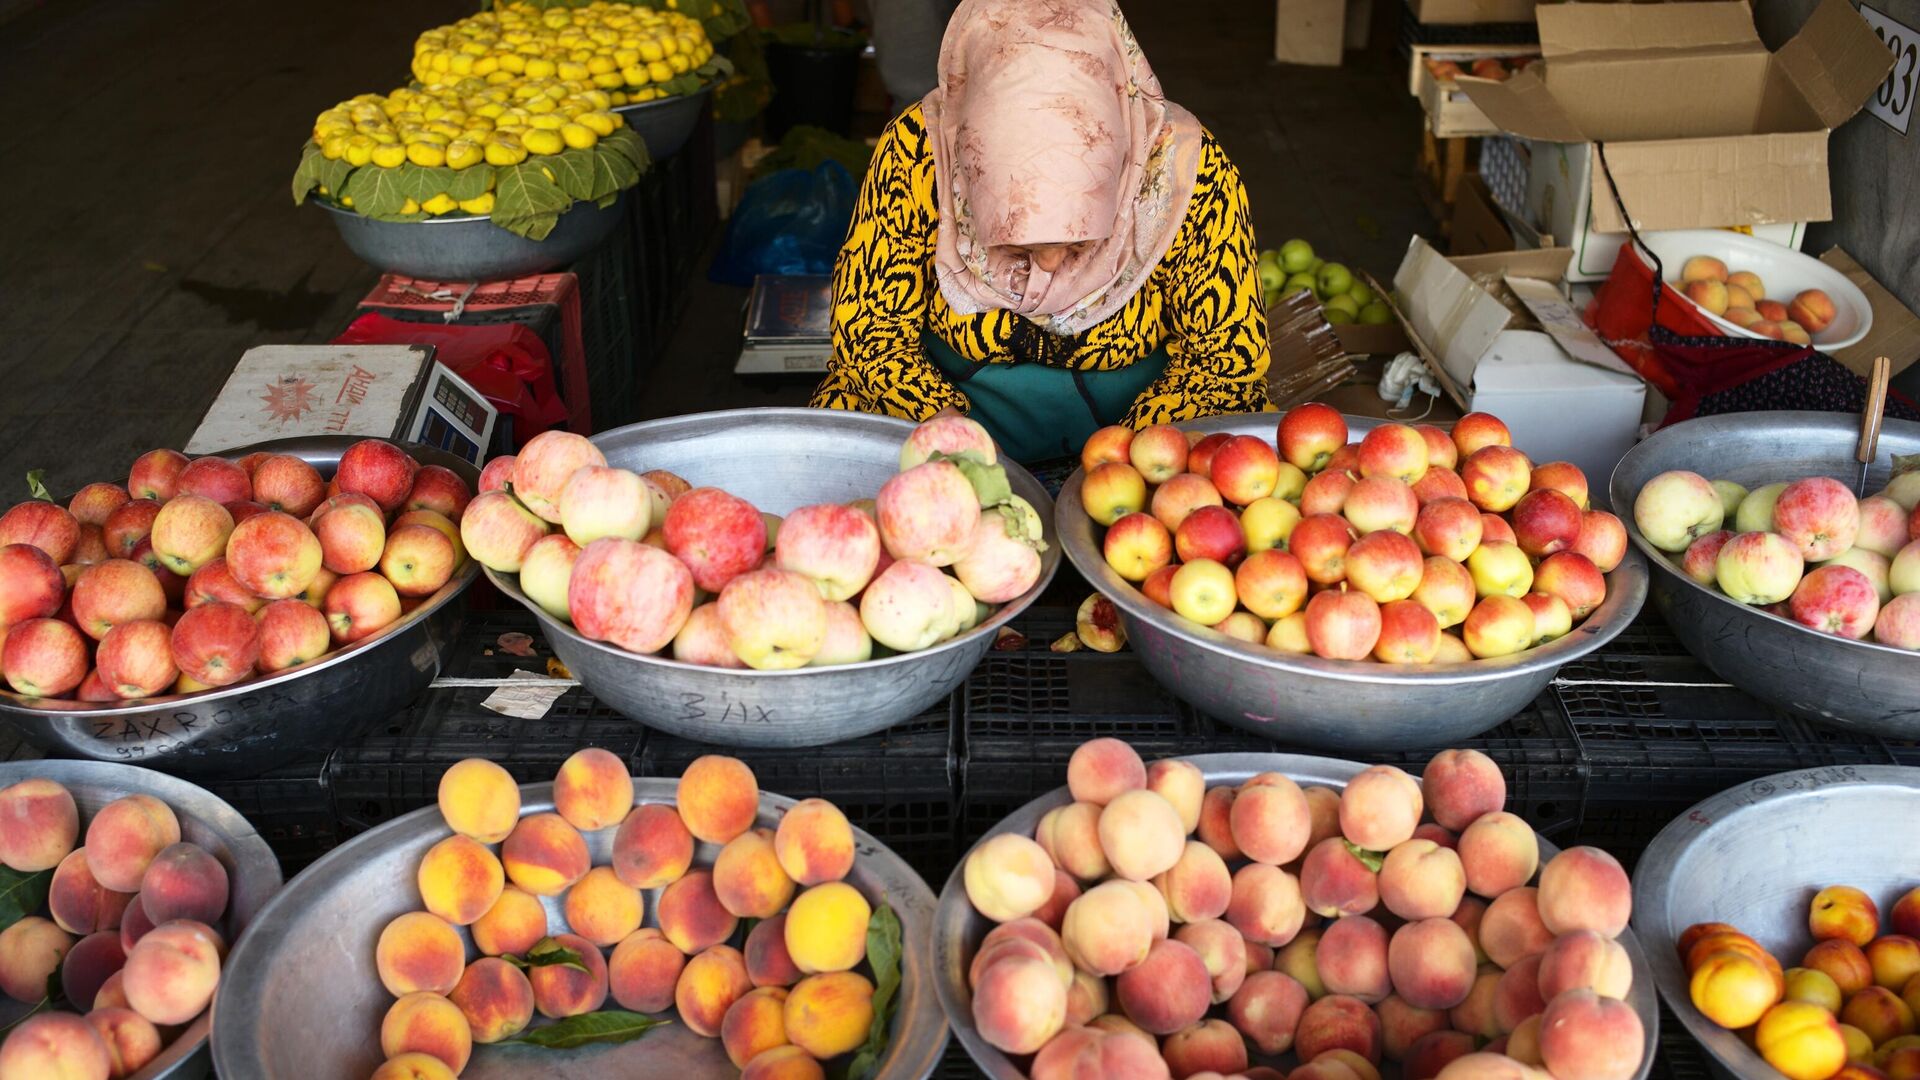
958,928
1339,704
666,123
779,460
253,874
1754,855
300,999
256,724
1821,677
472,248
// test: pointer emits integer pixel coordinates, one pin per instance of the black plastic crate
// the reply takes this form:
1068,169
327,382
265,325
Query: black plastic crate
290,807
611,325
1624,828
1680,1056
1414,32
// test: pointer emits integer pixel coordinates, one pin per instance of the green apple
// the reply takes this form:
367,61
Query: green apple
1342,305
1296,255
1731,495
1333,280
1294,284
1376,313
1272,274
1755,511
1362,295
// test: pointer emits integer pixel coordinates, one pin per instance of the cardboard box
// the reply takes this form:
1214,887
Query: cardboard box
1450,113
1465,12
397,392
1479,228
1702,126
1896,330
1309,32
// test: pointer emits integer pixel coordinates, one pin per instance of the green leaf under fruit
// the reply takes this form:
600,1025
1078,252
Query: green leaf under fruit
547,953
470,182
375,191
1373,860
333,174
573,172
526,202
307,176
628,144
607,1026
22,894
36,485
989,481
424,182
883,954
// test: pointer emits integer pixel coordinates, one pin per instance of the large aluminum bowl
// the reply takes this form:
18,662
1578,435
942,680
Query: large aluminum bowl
472,248
958,928
300,998
253,874
1820,677
258,723
1754,855
778,460
1338,704
666,124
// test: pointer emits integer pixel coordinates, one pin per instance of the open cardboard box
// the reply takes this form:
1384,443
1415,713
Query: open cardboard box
1450,113
1465,12
1702,126
1896,330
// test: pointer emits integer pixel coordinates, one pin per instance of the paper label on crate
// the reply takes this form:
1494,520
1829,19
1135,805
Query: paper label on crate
527,695
1557,317
281,391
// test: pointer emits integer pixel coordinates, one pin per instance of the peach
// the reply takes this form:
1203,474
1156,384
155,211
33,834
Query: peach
417,951
814,842
783,1063
1323,809
827,928
562,990
1843,962
1461,785
1895,959
183,882
1070,835
515,923
1338,1022
645,967
1499,852
1585,960
1271,821
1880,1013
496,999
131,1040
1182,784
603,909
1266,905
1584,1036
1198,886
1422,880
125,837
1141,834
423,1023
1431,963
1065,891
171,972
652,848
1352,958
1167,991
1584,888
1300,958
1475,1014
1517,995
1380,808
544,855
479,800
1019,1004
1432,1053
55,1046
1402,1025
1210,1046
1008,877
89,964
593,790
829,1014
718,798
1513,929
460,880
1333,880
1087,997
691,914
1215,827
753,1024
1101,770
78,903
134,924
42,825
1222,950
1108,929
748,878
30,950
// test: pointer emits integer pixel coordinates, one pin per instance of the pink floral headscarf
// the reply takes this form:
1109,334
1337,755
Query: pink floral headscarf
1048,127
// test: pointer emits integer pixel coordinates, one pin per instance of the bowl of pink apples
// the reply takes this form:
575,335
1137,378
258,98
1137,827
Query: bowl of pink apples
1775,572
767,577
218,615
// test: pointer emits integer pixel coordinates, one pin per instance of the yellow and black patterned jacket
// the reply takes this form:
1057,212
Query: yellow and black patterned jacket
1202,303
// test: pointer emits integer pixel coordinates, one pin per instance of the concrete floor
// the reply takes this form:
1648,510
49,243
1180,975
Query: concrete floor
150,239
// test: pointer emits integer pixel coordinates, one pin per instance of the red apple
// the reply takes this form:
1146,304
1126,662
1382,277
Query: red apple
1602,538
774,619
1702,557
1759,568
243,509
1159,452
1446,590
498,531
720,537
602,501
836,546
1899,623
47,526
1546,520
90,690
1346,460
136,659
1327,492
1114,489
909,606
351,536
215,478
31,584
114,592
127,525
1439,483
174,585
156,475
418,560
439,489
1109,445
1496,476
274,555
1159,585
1812,309
1498,626
189,532
1551,619
43,657
1271,584
93,504
249,462
1449,527
292,633
1320,543
1478,429
1394,450
1837,600
627,593
1441,453
285,483
1818,515
949,435
1136,546
1200,458
92,545
435,520
497,474
1562,476
358,606
1245,469
1883,526
1384,565
1409,634
216,644
1310,434
1380,503
1343,625
381,471
703,640
1495,530
1211,532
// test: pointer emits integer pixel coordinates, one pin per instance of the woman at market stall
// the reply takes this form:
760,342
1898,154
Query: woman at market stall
1047,244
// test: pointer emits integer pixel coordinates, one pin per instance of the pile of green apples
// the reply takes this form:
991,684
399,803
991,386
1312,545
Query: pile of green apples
1344,298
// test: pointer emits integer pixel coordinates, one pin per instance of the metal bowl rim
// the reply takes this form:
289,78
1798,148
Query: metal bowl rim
328,205
705,89
1655,870
1049,566
1839,422
14,704
1626,593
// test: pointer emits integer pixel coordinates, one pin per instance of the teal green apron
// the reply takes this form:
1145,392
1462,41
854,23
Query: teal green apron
1038,413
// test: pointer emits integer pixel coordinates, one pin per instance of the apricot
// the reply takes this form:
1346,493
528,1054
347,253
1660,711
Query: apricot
1182,784
1859,1047
184,882
1475,1015
1338,1022
814,843
1517,996
460,880
1065,891
1101,770
1512,928
1333,880
748,877
496,999
1844,913
413,1066
1740,943
1087,997
1402,1025
829,1014
1584,888
783,1063
1732,989
89,964
1215,828
1843,962
1008,877
1070,835
603,909
42,824
544,855
30,950
652,848
479,800
1380,808
1198,886
1167,991
417,951
1431,1054
1141,835
1801,1040
1694,933
171,974
1300,958
1877,1011
768,963
1585,960
1422,880
1266,905
125,836
78,903
131,1040
1431,963
515,923
1222,950
1210,1046
1812,987
1019,1004
691,914
718,798
1460,786
1498,852
593,789
1267,1009
54,1046
1353,958
1895,959
1584,1036
1108,929
562,990
754,1024
426,1023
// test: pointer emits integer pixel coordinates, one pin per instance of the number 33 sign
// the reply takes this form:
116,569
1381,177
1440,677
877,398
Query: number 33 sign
1893,102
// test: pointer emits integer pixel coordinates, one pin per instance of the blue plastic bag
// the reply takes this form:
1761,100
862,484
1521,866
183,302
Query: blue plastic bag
789,222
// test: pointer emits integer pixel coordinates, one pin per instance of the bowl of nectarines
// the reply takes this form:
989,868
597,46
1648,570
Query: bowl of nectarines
1751,288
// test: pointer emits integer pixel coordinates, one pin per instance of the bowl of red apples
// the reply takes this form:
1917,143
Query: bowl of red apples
217,615
1335,581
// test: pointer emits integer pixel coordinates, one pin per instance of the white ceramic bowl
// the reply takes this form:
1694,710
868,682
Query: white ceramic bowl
1785,271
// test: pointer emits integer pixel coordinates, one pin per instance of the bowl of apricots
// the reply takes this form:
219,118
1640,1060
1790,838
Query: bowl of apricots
120,891
600,925
1783,922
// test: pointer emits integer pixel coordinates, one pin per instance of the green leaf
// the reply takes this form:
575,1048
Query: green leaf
21,894
573,172
1372,860
523,191
36,485
883,954
470,182
627,144
422,182
606,1026
989,481
375,191
612,174
307,176
607,200
333,174
547,953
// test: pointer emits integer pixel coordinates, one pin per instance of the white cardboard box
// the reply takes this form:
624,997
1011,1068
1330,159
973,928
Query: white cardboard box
1558,408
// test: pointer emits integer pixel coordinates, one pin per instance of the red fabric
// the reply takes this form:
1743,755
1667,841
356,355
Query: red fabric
507,363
